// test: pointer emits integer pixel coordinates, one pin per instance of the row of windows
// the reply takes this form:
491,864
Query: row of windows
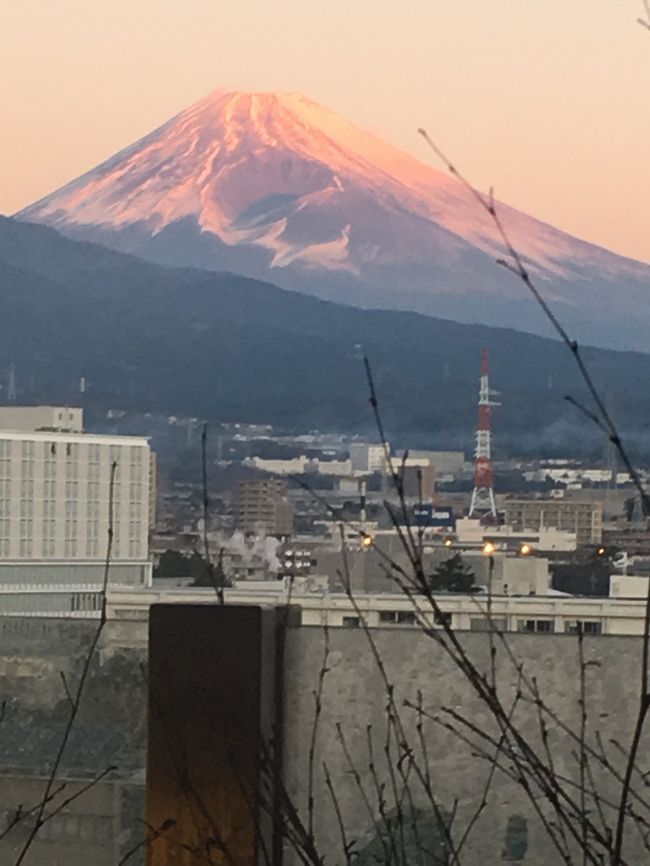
401,617
134,544
547,626
49,547
70,524
31,450
90,505
71,489
52,511
93,477
537,626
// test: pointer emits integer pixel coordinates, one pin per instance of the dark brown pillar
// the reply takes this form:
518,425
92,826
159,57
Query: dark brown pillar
212,714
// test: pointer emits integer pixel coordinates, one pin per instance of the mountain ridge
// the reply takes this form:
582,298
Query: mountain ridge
227,348
274,186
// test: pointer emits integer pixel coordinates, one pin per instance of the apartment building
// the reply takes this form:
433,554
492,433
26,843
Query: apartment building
261,506
584,518
55,483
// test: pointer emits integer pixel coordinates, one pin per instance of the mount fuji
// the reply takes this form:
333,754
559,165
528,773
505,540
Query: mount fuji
274,186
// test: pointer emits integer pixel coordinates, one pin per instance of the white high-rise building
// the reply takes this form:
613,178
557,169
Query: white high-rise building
54,502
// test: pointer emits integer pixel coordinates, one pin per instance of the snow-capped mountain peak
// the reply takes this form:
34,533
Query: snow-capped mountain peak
273,184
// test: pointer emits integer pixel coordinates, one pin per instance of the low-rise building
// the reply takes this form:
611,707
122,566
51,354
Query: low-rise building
445,462
338,468
290,466
469,531
540,615
583,518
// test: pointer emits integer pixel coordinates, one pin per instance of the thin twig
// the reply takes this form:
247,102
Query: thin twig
515,264
348,847
318,708
148,839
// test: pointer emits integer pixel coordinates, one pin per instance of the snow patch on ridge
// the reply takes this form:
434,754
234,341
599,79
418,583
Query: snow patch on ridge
216,160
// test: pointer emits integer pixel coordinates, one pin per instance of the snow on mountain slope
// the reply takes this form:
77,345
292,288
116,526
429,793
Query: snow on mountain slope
272,184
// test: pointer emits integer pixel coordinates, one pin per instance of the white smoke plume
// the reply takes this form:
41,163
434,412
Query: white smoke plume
253,549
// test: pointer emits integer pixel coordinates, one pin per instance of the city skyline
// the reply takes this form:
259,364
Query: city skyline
88,82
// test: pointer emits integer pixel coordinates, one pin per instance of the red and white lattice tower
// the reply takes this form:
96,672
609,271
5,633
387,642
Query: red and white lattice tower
482,504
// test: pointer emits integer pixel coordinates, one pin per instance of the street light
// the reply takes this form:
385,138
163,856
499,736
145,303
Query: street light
489,549
525,550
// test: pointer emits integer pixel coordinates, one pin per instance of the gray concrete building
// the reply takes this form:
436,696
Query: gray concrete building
584,518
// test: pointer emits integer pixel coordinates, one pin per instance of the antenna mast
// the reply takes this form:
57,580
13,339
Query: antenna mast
482,504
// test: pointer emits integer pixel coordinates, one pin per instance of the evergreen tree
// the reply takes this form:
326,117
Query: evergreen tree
212,574
175,564
452,575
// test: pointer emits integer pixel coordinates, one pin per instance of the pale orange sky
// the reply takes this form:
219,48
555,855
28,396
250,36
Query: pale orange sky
545,99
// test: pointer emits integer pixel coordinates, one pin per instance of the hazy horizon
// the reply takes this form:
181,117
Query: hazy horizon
543,103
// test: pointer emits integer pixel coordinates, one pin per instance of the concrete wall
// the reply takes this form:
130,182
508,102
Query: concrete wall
105,823
354,698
